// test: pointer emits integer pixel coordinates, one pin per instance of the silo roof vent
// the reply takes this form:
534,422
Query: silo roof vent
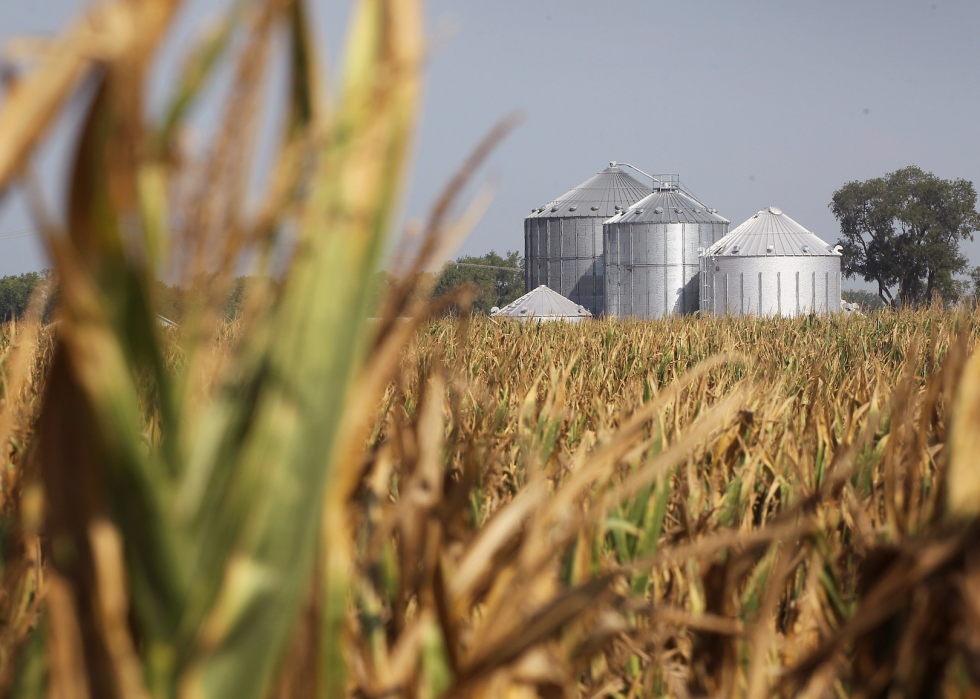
669,206
767,232
599,194
543,303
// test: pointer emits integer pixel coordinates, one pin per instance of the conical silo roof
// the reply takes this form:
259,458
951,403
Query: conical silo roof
668,204
544,304
598,196
771,232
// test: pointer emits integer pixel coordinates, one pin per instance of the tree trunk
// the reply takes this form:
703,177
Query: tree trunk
903,292
883,292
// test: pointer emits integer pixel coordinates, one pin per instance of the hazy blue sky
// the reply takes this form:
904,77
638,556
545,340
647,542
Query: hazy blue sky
752,103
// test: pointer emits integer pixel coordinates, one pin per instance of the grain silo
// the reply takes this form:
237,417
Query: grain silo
542,304
652,248
770,265
563,240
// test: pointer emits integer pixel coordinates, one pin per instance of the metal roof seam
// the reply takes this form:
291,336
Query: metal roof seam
604,190
768,227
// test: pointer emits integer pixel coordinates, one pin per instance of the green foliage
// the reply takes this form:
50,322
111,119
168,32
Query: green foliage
193,509
15,292
495,285
904,230
974,284
172,301
169,301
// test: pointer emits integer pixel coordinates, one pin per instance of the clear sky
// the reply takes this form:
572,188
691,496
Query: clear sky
753,103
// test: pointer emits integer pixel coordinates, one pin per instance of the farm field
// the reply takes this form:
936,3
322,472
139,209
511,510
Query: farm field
765,502
302,502
739,507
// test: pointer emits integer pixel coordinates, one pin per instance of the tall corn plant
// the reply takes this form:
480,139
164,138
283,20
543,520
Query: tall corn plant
185,512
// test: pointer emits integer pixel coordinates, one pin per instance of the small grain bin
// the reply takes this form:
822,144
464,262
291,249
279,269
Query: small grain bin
563,240
542,304
651,252
770,265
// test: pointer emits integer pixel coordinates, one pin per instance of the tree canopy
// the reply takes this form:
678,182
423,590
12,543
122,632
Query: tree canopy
15,293
496,285
904,230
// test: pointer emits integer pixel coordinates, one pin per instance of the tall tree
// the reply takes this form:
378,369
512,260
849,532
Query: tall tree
904,230
497,285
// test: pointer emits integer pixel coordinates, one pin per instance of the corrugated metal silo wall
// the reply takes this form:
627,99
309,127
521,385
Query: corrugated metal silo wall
652,269
565,254
774,285
527,255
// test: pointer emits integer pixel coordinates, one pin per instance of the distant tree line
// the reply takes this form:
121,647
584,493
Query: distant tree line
16,291
489,276
496,280
172,300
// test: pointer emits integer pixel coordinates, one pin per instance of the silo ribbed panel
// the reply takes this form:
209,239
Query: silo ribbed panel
652,254
771,265
563,240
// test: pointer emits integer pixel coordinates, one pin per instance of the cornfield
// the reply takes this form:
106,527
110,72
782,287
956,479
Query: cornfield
303,503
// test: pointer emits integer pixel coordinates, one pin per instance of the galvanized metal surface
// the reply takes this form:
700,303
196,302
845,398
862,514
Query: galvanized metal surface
563,240
752,286
669,204
543,304
770,265
651,254
771,232
608,191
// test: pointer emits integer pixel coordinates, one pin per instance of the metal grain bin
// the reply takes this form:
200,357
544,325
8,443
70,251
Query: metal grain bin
770,265
652,252
563,240
542,304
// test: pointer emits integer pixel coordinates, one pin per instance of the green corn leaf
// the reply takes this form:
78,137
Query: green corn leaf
196,72
303,370
652,528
